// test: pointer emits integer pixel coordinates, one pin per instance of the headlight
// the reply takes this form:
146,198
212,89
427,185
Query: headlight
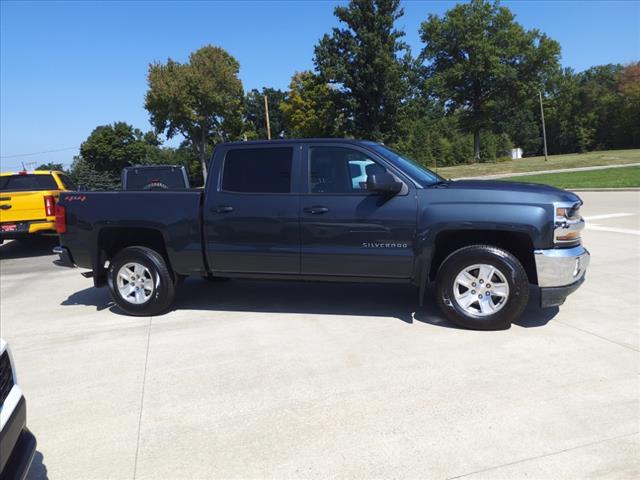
568,212
568,224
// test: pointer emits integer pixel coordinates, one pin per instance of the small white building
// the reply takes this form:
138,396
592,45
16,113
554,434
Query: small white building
516,153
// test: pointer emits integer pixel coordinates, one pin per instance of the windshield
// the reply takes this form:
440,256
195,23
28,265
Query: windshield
417,172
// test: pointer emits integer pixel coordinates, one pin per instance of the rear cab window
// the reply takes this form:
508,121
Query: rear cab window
28,182
258,170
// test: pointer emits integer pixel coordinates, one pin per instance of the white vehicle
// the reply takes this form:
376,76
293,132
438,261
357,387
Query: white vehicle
17,443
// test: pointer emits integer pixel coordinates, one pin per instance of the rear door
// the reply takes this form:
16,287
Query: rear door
346,230
251,222
22,196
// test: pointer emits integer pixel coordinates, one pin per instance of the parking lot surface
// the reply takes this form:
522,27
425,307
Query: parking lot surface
249,379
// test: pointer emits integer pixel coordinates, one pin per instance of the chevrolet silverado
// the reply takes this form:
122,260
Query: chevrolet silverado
304,210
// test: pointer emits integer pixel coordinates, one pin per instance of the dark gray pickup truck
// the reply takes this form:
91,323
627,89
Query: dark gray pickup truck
332,210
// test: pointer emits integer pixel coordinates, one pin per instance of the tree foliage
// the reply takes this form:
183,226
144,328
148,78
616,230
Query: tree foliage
110,148
311,107
477,56
254,113
594,110
367,62
51,166
86,177
200,100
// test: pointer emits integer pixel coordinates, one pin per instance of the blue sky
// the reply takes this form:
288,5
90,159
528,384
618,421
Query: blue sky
67,67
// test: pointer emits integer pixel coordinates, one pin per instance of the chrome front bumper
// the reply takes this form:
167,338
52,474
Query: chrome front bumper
560,267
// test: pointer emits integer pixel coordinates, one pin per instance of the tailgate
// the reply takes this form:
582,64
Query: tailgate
23,206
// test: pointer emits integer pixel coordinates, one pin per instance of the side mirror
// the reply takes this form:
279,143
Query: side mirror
383,183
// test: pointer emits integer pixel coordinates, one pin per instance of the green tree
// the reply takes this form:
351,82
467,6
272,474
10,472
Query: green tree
561,105
599,104
254,114
594,109
51,166
367,62
110,148
476,54
86,177
628,121
201,100
311,109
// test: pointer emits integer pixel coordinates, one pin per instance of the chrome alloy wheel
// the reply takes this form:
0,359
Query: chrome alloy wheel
135,283
481,290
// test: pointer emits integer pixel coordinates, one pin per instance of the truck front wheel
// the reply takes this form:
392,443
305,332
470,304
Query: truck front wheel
140,282
482,287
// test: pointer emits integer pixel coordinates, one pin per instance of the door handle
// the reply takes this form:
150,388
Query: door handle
5,207
317,210
222,209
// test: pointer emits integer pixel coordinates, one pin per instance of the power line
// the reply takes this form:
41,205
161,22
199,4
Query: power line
38,153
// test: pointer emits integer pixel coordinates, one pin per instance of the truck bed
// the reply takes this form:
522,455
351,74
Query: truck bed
93,216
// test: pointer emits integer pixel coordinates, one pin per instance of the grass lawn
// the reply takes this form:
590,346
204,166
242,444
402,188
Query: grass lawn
608,178
533,164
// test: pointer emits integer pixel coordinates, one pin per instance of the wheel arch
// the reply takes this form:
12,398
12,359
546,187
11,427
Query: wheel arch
111,240
519,244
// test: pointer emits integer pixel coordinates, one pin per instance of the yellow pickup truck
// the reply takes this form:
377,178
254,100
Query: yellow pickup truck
27,202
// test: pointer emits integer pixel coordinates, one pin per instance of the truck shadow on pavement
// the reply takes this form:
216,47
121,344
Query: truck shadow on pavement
375,300
27,248
93,297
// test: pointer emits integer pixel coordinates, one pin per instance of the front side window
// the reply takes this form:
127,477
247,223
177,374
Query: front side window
340,170
258,170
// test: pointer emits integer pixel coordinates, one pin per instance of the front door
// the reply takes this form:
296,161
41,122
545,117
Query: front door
251,212
346,230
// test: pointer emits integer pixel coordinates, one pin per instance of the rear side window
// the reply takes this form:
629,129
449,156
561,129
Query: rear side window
258,170
21,183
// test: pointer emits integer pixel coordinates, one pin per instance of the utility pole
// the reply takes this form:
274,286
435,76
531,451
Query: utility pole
266,112
544,131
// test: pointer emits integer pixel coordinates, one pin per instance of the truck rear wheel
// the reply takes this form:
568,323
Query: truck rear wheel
482,287
140,282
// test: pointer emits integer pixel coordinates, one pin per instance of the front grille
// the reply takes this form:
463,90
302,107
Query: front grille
6,377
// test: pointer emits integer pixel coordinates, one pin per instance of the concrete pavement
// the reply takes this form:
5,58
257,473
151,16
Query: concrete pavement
291,380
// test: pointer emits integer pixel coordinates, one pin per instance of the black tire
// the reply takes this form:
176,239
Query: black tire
508,266
163,291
